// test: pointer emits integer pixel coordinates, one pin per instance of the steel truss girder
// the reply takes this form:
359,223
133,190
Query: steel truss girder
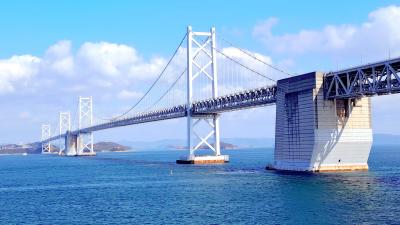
374,79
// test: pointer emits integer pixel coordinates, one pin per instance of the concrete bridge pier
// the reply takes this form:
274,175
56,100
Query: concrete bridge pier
315,134
78,144
71,143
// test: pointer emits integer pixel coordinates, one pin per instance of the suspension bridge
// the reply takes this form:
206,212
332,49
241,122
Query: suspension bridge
323,120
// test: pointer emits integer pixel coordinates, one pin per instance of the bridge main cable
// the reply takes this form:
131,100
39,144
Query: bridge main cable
256,58
153,84
244,66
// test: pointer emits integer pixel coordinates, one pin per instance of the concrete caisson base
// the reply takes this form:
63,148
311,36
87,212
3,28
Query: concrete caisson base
49,153
87,154
342,168
72,154
203,159
324,168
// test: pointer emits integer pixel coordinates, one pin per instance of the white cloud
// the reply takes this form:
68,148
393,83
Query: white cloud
17,71
103,83
64,66
118,62
264,29
238,54
107,58
59,59
125,94
60,49
374,37
101,65
74,88
253,71
24,115
147,70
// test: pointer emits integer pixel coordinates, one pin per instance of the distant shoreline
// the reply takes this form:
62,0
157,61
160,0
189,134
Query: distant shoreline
36,148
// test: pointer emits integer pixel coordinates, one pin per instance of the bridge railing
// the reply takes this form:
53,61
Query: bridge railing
163,114
235,101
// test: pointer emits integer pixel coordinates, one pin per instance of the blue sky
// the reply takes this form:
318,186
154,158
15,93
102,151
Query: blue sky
154,26
52,37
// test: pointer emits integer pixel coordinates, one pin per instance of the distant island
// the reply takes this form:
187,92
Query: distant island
177,144
110,147
35,148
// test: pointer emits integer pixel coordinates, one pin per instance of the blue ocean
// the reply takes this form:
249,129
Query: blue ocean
147,187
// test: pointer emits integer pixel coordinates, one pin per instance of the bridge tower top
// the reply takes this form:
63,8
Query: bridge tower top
85,112
65,122
45,131
85,140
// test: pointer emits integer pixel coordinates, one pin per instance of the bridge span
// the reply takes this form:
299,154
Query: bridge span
323,120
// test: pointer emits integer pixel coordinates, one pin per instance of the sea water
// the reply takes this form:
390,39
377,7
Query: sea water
149,188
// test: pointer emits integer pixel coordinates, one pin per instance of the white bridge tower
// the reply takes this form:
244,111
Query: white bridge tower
202,61
65,126
85,139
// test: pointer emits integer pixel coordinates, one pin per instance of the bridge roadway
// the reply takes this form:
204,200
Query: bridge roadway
236,101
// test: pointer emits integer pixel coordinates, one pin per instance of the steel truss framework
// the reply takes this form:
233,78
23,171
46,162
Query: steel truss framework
46,144
373,79
85,139
196,68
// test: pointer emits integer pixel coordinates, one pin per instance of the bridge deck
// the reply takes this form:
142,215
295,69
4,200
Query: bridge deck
237,101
